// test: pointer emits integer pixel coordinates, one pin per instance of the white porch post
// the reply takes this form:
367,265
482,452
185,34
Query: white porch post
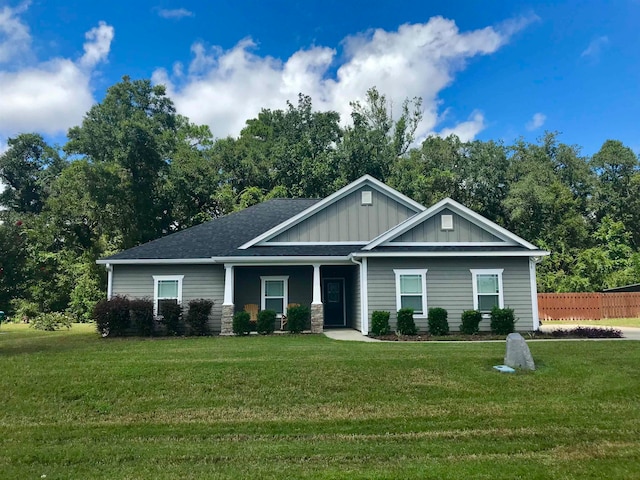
317,308
109,281
317,297
226,322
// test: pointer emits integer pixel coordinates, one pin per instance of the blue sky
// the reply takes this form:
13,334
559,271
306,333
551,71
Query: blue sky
487,70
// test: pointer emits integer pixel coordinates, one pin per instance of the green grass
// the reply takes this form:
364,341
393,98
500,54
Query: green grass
77,406
605,322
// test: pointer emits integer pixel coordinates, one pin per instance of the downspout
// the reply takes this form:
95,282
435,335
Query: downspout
109,280
364,297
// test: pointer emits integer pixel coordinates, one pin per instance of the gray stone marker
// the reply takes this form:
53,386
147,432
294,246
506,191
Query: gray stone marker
518,354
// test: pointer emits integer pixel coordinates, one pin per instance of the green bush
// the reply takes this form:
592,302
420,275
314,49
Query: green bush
25,310
241,323
171,317
266,322
52,321
112,317
141,312
503,321
437,320
470,322
405,324
198,316
380,323
298,318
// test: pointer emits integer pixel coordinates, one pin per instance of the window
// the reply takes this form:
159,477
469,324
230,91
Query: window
446,222
487,289
275,293
166,289
367,197
411,290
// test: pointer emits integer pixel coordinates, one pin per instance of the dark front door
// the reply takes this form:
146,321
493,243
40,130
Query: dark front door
333,299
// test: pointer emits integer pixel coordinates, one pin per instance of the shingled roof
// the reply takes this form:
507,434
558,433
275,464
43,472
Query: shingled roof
222,236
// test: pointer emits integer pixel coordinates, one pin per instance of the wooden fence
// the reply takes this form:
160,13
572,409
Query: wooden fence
588,306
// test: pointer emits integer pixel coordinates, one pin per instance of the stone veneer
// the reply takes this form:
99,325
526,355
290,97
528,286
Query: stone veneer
226,323
317,318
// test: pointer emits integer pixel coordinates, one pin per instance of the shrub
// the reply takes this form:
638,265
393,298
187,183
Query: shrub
52,321
171,317
141,311
406,325
380,323
502,321
586,332
112,317
241,323
297,318
198,316
25,310
437,320
266,322
470,322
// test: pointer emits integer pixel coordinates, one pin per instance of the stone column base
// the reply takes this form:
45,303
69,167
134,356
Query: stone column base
317,318
226,323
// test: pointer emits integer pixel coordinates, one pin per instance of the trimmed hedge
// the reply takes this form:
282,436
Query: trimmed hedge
141,311
198,316
503,321
266,323
112,317
241,323
298,318
470,322
437,320
380,323
172,317
405,324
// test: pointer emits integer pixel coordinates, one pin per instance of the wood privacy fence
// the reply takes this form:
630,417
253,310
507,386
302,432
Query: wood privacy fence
588,306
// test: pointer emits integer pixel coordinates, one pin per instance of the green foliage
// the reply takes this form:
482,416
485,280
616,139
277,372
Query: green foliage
171,315
298,318
198,316
405,324
380,323
503,321
437,320
470,322
266,323
24,310
51,321
141,311
241,323
112,317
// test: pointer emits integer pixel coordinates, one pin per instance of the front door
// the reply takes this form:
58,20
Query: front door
333,299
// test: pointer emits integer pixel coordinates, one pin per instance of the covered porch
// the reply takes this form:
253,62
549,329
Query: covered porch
331,291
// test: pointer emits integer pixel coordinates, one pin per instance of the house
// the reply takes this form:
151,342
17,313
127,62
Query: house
366,247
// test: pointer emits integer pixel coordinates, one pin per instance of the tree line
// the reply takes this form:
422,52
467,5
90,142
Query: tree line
135,170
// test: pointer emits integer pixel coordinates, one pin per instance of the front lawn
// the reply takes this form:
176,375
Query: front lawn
78,406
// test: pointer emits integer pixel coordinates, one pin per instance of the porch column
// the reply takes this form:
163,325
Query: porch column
226,322
317,309
109,281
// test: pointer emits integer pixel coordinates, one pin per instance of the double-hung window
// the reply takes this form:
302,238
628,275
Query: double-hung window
166,289
411,290
275,294
487,289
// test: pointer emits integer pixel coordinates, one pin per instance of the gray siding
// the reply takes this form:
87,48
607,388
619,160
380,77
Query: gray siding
463,231
449,285
347,220
200,281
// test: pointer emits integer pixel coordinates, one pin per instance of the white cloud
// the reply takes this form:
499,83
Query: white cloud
15,40
175,14
48,96
466,131
595,47
536,121
223,88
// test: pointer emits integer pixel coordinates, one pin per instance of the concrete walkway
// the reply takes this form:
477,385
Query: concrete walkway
350,335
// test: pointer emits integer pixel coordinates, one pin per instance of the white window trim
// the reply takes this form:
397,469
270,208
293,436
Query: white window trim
423,279
263,290
487,271
159,278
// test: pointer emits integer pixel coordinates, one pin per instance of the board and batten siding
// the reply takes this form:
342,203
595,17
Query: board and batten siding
449,286
200,281
463,231
347,220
